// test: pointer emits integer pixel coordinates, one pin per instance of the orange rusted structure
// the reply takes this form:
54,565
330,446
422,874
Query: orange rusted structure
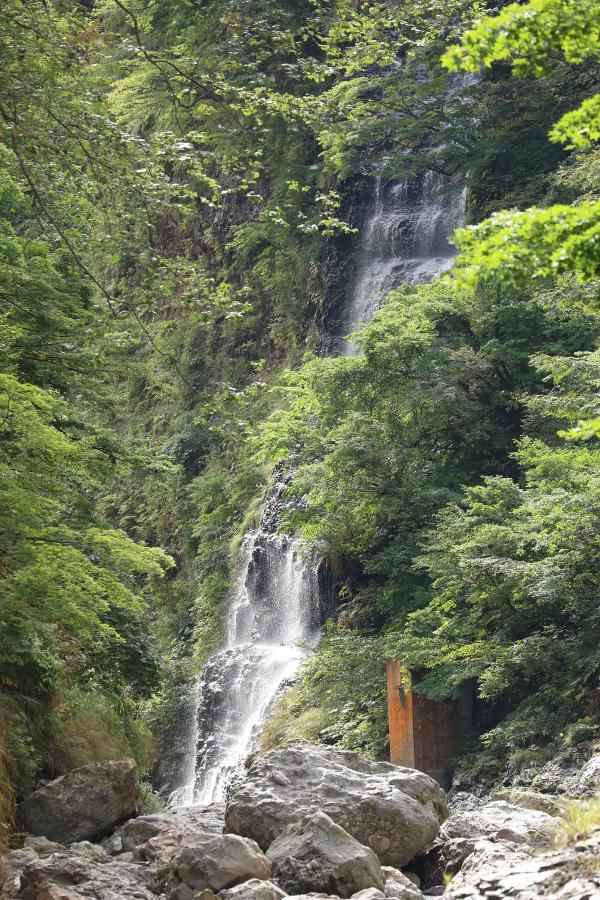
424,734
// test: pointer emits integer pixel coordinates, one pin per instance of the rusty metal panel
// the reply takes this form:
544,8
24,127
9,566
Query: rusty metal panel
400,715
424,734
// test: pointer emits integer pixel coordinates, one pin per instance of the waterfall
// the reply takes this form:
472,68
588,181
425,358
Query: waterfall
275,609
274,613
405,240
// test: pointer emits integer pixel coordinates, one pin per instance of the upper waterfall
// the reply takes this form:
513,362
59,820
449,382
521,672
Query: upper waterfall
405,240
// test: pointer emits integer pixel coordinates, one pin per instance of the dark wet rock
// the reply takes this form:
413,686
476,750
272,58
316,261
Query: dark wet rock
315,854
83,805
393,810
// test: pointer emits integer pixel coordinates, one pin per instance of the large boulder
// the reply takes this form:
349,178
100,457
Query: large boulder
255,889
501,821
393,810
528,799
83,805
136,832
398,886
187,861
315,854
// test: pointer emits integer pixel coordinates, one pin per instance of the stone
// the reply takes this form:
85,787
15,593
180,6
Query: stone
41,845
254,889
316,854
529,799
571,773
400,886
90,851
83,805
137,831
589,777
191,861
113,843
369,894
11,866
63,876
315,896
570,874
393,810
500,821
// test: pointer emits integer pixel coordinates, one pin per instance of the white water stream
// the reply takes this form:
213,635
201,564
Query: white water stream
405,240
275,611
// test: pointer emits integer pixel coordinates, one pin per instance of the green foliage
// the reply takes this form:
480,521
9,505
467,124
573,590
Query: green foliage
170,205
513,598
340,699
560,238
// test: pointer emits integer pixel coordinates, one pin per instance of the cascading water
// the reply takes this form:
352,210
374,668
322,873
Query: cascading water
405,241
276,608
274,613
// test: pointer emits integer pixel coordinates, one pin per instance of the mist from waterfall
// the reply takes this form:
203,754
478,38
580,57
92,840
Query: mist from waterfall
275,609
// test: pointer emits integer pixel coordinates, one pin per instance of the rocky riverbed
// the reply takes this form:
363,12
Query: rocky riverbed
305,822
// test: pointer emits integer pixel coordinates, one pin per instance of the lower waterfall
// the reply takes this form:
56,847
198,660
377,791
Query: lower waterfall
275,610
275,613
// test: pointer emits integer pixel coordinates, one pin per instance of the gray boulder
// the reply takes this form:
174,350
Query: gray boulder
83,805
369,894
255,889
399,886
315,854
187,862
136,832
393,810
501,821
314,895
529,799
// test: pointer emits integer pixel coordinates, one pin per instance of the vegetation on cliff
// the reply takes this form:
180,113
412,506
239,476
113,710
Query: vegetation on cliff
180,188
